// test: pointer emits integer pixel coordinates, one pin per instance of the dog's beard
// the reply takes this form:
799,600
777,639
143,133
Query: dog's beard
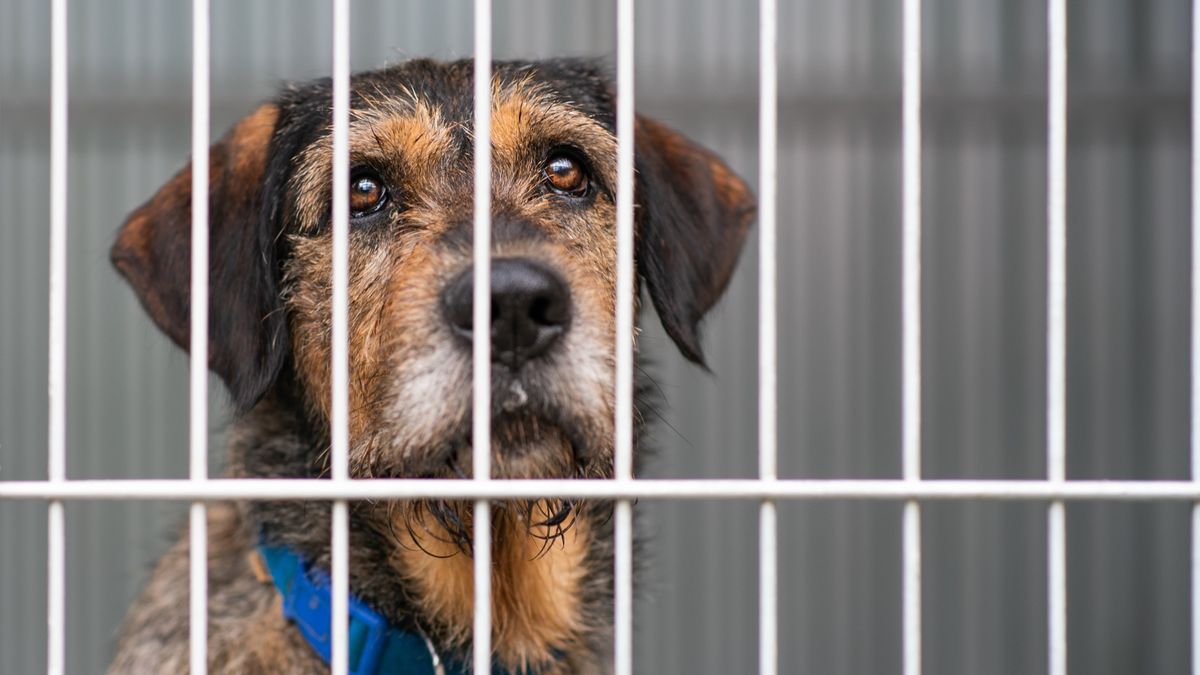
523,446
526,444
444,528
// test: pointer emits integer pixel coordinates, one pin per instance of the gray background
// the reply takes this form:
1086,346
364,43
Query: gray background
984,191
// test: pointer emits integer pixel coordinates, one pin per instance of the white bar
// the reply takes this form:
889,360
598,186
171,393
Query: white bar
198,588
767,281
1195,347
768,554
220,489
198,347
482,547
1058,587
912,333
340,427
340,572
624,319
623,518
768,584
58,241
56,594
1195,589
1056,380
1057,247
623,562
912,240
481,429
912,586
340,391
482,300
57,574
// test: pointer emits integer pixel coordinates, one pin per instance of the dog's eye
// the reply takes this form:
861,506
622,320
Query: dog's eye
367,194
565,175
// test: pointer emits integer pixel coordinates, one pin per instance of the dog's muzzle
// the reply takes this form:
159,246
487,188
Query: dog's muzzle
531,309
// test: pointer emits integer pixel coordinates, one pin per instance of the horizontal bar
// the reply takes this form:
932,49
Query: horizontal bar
416,488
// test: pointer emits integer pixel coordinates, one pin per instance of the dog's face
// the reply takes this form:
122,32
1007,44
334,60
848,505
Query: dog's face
411,186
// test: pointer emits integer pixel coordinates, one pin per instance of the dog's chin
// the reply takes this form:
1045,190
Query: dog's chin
525,445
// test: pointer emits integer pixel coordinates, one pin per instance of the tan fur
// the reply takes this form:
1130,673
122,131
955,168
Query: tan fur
141,251
402,362
522,111
408,134
410,371
396,337
251,136
535,601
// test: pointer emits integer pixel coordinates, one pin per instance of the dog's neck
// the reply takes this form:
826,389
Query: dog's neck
551,594
537,586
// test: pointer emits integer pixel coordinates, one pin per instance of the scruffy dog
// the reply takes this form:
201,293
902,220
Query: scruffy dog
553,294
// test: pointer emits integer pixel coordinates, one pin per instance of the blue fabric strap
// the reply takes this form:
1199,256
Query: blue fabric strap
376,647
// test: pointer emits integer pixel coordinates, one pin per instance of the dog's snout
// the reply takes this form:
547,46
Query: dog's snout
531,309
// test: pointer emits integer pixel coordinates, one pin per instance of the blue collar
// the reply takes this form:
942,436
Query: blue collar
376,647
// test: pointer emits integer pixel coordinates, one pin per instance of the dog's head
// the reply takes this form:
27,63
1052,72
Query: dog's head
411,184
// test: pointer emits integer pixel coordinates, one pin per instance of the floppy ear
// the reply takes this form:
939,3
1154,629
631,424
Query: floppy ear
247,330
693,214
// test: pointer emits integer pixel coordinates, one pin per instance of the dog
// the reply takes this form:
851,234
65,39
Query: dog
553,284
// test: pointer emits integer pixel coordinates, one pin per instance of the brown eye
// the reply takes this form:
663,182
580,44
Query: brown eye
566,176
367,194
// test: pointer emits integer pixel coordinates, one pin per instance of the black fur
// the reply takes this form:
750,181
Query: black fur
687,241
689,235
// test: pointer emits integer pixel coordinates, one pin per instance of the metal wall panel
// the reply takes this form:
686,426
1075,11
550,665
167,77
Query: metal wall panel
984,192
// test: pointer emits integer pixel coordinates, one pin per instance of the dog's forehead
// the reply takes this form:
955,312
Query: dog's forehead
448,88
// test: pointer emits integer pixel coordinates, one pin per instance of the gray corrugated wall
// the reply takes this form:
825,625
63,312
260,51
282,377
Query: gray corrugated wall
984,195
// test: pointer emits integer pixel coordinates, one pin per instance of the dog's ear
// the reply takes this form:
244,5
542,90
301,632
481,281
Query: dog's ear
247,331
692,216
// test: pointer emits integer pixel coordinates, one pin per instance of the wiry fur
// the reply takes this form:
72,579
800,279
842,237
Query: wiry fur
410,380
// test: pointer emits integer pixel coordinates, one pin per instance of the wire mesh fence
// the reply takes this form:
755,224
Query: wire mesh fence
912,244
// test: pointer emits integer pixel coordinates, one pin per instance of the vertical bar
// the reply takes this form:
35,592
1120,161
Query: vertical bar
768,555
1056,385
57,595
56,592
481,425
623,518
339,418
912,332
198,348
1195,355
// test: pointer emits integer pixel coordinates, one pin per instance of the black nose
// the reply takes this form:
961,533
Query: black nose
531,308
